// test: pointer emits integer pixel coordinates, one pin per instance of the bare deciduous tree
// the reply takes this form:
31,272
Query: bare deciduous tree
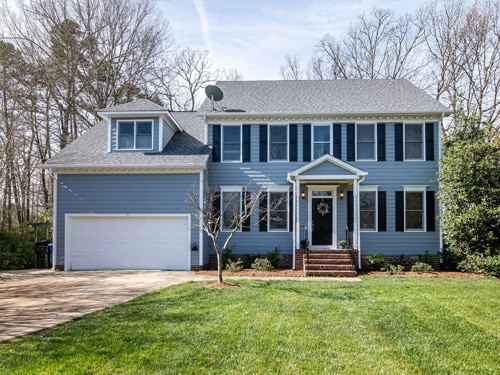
229,212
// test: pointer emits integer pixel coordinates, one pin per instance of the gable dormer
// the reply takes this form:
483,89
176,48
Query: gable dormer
139,126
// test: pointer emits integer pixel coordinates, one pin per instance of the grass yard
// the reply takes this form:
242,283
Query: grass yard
382,325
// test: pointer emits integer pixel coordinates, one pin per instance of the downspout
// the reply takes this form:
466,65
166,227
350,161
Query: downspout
440,150
54,222
200,233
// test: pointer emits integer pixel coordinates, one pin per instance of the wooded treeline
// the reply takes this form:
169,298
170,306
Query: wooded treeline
60,62
450,48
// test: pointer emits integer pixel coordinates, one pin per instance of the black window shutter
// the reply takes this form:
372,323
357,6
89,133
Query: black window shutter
350,211
306,138
398,142
293,142
381,142
246,204
431,211
263,143
429,141
351,146
216,143
216,210
246,143
337,141
382,212
263,212
290,214
400,211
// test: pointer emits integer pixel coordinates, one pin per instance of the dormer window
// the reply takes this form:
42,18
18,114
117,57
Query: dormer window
135,135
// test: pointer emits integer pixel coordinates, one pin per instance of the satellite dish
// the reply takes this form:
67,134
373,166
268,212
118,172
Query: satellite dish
214,94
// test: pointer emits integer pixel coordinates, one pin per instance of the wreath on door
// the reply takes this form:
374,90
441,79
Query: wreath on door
323,208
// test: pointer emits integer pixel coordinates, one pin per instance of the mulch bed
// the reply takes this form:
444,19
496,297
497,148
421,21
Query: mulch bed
296,273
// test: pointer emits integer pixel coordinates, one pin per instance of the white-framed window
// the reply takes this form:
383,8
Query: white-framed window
278,209
278,142
135,135
414,141
322,140
368,208
415,204
231,143
366,137
231,199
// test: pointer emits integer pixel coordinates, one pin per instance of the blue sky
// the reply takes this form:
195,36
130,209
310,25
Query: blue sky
253,36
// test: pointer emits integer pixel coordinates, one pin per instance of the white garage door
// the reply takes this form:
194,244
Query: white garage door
145,242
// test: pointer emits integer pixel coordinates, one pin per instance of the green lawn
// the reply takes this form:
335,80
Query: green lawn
382,325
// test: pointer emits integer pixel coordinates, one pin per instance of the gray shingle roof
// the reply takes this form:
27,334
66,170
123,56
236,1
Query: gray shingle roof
323,97
186,148
135,106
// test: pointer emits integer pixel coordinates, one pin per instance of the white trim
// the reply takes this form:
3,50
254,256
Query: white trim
69,216
110,135
229,189
126,169
375,140
134,121
370,189
279,190
160,134
416,189
423,141
296,219
333,190
330,129
240,160
269,126
356,172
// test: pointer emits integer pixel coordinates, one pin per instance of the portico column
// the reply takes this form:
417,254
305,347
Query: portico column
356,225
296,218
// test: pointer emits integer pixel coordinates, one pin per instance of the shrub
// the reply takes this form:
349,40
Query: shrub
427,258
403,261
394,269
234,266
489,266
376,261
262,264
227,255
16,248
421,267
274,256
248,260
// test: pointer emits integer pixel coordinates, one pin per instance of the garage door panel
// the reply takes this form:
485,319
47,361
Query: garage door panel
128,242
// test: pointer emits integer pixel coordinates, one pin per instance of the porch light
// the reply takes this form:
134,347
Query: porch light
302,194
341,194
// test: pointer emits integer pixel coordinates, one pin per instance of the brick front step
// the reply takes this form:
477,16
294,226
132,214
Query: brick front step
331,273
328,256
318,259
330,267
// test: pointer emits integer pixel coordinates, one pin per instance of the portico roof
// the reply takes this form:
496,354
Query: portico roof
327,168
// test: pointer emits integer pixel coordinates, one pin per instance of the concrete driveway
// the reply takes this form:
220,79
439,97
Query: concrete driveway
34,300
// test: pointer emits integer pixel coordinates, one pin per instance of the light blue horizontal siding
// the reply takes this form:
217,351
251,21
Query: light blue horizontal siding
389,175
120,194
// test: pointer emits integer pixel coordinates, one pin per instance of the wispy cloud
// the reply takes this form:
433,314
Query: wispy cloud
205,27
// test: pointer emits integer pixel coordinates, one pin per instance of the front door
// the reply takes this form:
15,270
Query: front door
322,225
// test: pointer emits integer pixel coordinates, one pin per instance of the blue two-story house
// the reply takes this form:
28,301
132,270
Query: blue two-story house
352,160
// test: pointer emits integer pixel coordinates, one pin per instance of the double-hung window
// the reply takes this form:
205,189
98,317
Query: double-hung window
368,208
278,143
278,207
414,141
135,135
365,142
230,207
231,143
321,140
414,208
